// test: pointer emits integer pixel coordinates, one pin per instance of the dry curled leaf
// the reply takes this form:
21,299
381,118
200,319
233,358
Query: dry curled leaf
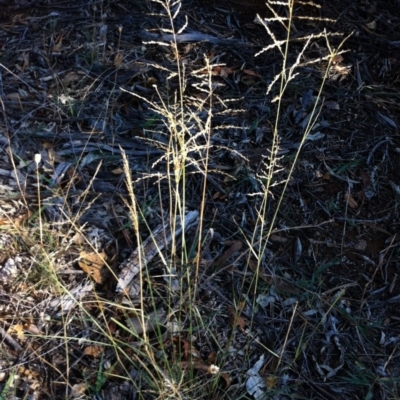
118,59
20,19
93,350
226,378
212,357
338,58
222,71
278,239
18,330
234,247
250,72
351,201
271,381
14,222
58,44
237,320
31,328
78,390
94,265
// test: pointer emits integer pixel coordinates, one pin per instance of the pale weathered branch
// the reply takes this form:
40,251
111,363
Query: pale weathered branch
159,238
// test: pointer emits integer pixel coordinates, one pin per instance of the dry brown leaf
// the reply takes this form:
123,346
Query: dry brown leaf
241,322
18,330
235,246
78,390
117,171
326,176
186,349
72,77
271,381
218,195
94,265
351,201
278,238
365,178
338,58
78,238
212,357
58,44
251,73
221,71
226,378
237,320
118,59
53,157
19,19
224,72
93,350
16,222
241,305
31,328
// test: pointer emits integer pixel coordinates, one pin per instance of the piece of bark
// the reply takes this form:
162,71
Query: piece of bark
159,238
69,300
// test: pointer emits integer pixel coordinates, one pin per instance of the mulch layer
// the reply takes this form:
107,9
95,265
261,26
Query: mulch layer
83,85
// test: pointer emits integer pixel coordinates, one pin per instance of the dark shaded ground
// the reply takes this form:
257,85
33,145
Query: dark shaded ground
330,296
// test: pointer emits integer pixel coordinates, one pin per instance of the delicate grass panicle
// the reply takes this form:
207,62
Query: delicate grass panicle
186,322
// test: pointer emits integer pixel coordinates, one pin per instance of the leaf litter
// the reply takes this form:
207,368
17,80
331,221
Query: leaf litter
334,248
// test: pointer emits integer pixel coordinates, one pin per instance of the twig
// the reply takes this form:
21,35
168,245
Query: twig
386,140
287,335
293,228
7,338
346,179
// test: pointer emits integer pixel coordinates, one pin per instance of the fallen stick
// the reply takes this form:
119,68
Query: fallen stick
159,238
7,338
